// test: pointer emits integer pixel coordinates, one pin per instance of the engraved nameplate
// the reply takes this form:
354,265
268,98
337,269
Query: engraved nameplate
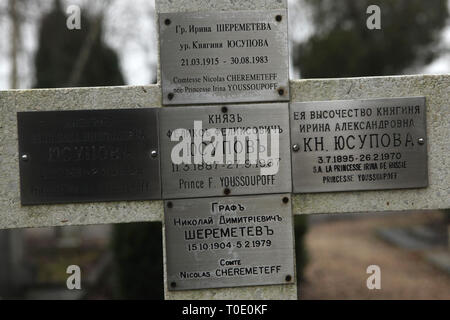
86,156
229,242
224,57
232,132
359,145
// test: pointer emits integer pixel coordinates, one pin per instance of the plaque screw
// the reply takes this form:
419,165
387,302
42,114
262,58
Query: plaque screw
296,148
173,284
24,157
167,22
288,278
285,200
154,153
224,109
169,204
279,18
170,96
227,191
281,92
421,141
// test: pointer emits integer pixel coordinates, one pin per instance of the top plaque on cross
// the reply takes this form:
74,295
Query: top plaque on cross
224,57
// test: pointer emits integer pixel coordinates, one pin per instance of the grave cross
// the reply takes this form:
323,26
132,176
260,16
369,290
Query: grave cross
436,195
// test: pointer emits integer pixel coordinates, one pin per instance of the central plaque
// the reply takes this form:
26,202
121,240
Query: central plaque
348,145
248,146
224,57
229,242
88,155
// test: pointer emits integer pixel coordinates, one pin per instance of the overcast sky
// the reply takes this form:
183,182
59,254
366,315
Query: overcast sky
130,29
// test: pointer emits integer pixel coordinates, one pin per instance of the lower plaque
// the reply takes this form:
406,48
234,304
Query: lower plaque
229,242
88,155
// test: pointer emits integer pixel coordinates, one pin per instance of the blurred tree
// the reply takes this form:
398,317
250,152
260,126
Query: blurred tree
60,49
15,41
81,58
342,45
301,252
138,250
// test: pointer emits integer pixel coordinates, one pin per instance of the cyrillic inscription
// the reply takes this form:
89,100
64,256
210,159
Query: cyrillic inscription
217,58
223,242
85,156
359,145
235,150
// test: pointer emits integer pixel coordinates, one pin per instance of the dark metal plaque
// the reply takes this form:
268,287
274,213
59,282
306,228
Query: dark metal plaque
229,242
359,145
227,176
224,57
87,156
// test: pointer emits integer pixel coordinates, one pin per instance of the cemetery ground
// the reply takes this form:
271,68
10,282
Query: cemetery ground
403,245
340,248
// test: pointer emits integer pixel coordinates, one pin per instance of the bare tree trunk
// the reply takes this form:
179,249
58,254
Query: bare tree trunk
15,42
85,51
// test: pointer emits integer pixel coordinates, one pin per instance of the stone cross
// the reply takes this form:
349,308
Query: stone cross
436,196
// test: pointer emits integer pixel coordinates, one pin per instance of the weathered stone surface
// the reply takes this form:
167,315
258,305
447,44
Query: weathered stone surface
436,196
12,214
223,5
281,292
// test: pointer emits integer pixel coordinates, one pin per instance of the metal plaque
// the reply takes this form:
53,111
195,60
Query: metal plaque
193,177
229,242
86,156
224,57
359,145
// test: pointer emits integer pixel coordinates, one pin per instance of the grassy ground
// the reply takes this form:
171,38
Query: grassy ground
340,252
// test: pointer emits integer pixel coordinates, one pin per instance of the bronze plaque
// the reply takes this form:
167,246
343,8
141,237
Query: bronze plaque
87,156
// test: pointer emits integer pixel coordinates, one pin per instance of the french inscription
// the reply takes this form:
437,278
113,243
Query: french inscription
359,145
216,58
